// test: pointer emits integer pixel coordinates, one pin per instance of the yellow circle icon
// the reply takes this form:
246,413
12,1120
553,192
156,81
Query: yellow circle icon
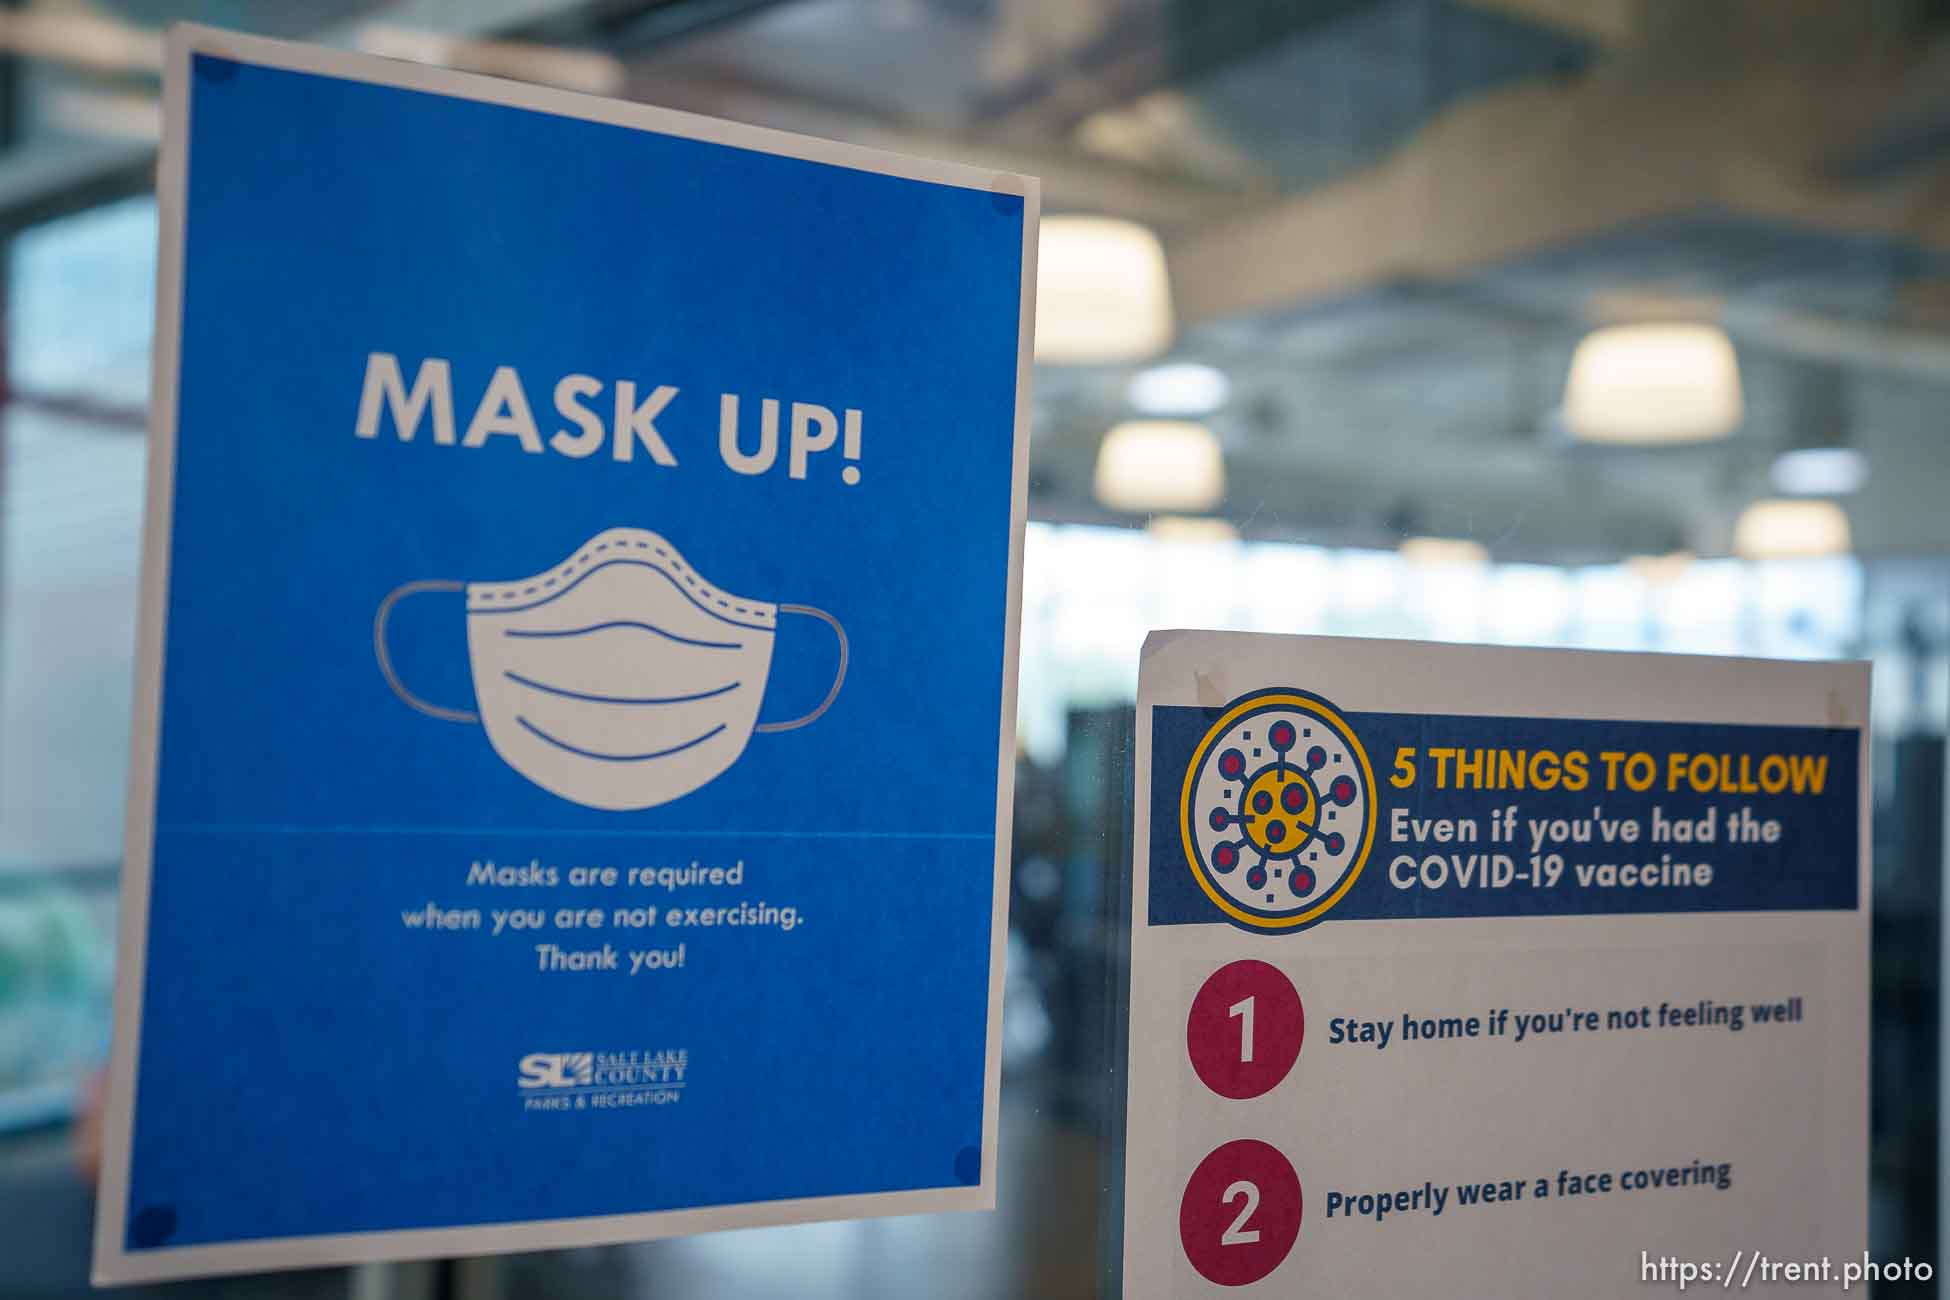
1282,811
1277,814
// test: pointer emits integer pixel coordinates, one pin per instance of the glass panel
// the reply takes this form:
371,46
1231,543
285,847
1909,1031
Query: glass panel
1390,227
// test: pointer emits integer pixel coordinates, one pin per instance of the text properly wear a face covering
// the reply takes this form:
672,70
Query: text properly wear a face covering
618,679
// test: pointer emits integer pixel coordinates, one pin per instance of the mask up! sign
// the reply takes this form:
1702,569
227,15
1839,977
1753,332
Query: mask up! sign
576,674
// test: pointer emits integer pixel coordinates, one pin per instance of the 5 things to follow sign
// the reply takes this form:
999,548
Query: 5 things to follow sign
577,662
1459,970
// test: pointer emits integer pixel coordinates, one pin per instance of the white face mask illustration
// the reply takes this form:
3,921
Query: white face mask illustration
618,679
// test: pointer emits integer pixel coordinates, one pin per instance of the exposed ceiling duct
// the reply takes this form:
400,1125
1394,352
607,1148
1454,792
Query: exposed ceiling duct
1388,222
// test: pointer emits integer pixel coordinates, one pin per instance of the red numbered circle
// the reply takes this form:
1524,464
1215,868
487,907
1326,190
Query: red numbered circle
1245,1028
1241,1213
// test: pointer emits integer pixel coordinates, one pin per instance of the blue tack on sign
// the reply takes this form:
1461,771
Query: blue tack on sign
568,627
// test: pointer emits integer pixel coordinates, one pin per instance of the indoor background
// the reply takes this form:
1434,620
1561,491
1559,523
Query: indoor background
1617,324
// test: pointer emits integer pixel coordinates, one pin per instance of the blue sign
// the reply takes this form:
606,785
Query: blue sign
573,736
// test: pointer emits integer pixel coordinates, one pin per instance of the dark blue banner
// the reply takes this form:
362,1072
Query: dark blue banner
1276,812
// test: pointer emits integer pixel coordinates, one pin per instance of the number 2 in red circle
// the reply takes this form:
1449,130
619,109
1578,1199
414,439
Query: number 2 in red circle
1241,1213
1245,1028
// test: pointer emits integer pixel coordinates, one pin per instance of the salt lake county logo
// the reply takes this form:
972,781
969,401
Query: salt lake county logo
557,1070
602,1080
1278,810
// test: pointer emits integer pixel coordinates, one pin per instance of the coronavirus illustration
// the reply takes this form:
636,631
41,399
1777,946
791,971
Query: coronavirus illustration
1277,813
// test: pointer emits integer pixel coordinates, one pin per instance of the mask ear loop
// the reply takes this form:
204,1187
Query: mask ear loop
386,660
839,677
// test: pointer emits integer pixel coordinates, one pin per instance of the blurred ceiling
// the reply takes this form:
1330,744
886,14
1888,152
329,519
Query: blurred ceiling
1389,221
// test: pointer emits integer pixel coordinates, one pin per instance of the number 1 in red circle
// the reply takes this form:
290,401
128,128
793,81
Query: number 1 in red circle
1245,1029
1241,1213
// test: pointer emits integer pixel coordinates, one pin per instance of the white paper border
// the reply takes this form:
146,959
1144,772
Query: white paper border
114,1264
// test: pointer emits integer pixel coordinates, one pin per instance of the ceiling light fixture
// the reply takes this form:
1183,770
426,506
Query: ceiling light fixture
1179,388
1653,384
1780,529
1660,570
1102,292
1444,552
1819,471
1200,529
1160,465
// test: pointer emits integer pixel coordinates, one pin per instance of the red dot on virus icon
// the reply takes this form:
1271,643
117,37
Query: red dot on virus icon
1278,809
